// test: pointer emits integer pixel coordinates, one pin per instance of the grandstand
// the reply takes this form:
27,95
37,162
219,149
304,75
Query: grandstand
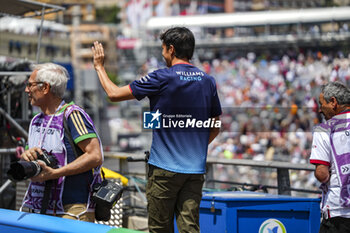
306,28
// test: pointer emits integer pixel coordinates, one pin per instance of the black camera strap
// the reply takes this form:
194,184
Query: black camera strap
46,198
103,174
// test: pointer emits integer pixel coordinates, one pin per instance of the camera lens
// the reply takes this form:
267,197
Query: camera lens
22,170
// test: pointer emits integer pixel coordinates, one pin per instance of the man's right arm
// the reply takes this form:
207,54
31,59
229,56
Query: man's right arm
113,92
322,173
320,154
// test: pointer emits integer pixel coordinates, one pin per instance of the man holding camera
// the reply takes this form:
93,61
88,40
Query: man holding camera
64,190
178,155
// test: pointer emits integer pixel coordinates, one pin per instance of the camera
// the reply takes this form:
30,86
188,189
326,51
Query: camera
22,170
105,195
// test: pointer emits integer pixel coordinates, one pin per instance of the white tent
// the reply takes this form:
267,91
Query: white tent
312,15
22,7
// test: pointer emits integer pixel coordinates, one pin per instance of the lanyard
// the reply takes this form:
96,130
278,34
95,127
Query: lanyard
43,133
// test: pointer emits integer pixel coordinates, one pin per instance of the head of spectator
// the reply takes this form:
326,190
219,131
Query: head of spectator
47,85
334,99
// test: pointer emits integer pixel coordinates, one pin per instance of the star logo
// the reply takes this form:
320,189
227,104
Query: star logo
152,120
156,115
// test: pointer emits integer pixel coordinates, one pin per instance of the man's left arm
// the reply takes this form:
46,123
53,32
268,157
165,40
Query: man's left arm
215,111
114,92
214,131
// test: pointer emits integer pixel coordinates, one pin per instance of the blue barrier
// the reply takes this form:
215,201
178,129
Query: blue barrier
243,212
253,212
21,222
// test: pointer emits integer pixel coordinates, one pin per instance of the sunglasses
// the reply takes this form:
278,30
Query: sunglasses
31,84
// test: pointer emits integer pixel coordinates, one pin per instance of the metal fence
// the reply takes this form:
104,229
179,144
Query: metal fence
283,170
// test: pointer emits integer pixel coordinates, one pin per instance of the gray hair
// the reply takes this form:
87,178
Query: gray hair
53,74
337,90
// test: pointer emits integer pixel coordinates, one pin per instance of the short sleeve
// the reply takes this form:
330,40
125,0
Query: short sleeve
146,86
320,151
79,127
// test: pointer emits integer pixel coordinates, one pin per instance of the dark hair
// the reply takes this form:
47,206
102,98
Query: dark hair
336,90
182,39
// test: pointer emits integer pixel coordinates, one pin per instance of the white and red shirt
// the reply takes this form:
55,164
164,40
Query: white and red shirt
329,142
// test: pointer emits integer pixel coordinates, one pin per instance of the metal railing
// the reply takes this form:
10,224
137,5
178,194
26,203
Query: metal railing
283,169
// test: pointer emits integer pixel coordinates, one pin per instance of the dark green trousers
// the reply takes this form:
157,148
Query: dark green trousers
170,195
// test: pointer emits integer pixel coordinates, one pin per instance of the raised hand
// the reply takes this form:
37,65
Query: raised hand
98,54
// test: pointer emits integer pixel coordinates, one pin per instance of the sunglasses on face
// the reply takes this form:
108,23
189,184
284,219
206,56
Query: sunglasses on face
31,84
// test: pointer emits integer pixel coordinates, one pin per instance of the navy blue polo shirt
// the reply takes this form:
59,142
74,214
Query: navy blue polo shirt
181,93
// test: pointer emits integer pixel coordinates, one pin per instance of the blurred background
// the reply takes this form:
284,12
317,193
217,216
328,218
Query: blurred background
269,58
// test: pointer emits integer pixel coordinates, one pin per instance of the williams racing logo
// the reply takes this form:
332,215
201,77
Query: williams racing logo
157,120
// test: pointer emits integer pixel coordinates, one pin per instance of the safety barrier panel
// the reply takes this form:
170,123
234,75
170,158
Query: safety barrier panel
21,222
